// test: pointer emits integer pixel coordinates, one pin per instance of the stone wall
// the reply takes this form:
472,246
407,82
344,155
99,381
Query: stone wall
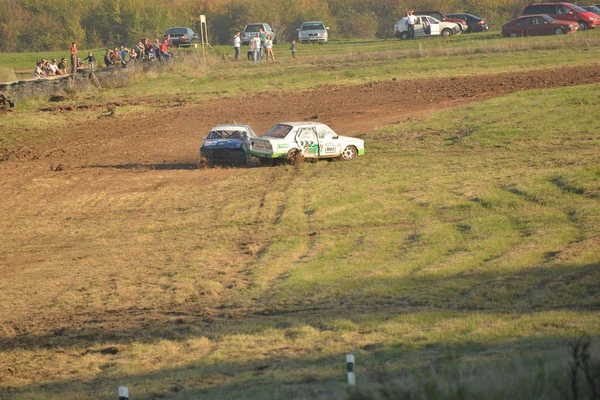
47,87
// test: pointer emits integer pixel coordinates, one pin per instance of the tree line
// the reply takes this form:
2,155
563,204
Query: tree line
38,25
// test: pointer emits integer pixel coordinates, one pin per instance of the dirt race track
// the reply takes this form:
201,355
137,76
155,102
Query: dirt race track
172,135
110,154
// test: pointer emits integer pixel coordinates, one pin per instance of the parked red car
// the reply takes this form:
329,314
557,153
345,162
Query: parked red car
565,12
535,25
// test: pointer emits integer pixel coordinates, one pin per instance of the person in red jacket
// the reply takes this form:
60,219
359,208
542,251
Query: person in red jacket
163,51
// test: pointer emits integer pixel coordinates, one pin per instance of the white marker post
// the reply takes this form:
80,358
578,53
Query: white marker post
123,393
350,366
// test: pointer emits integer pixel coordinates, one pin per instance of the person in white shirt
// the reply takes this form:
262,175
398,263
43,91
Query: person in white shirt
256,46
237,43
269,47
410,21
54,68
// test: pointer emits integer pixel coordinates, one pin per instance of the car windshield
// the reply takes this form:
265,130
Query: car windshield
226,134
548,18
312,26
253,28
177,31
279,131
577,8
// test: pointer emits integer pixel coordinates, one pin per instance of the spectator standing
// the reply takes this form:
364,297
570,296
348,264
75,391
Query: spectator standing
91,61
293,48
269,47
237,43
74,53
250,50
256,48
263,39
410,21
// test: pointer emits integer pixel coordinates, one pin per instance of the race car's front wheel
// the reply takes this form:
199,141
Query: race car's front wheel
447,32
349,153
204,162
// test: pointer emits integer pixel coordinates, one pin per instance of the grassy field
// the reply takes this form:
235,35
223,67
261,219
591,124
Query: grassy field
457,259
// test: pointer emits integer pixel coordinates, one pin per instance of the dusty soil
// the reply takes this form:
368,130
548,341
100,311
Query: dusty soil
100,157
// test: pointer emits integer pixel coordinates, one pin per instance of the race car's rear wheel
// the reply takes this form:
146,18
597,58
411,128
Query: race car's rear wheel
404,36
349,153
294,157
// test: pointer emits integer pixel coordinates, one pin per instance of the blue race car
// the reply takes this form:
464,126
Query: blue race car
228,144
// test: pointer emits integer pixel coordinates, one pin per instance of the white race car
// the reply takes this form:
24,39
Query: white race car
294,141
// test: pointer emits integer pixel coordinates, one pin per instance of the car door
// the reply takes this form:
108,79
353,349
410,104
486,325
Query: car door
329,145
419,27
308,142
524,26
433,26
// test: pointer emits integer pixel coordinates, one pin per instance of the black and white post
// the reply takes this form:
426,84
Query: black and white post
350,367
123,393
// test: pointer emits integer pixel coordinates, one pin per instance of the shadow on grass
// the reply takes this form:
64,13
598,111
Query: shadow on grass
564,288
472,369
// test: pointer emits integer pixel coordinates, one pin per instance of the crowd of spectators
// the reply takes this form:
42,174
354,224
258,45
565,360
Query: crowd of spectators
47,69
144,50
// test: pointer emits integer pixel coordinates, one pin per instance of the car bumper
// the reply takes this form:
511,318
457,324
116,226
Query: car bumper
267,154
224,155
594,24
313,40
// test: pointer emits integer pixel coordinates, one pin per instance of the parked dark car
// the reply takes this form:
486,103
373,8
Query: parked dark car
441,17
565,12
594,9
474,23
536,25
181,36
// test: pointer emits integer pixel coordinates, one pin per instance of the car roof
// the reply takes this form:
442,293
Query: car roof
312,22
230,126
302,123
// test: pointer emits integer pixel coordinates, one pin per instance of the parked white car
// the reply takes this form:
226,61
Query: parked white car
294,141
251,30
313,32
426,26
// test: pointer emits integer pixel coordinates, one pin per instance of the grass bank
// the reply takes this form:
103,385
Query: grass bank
456,259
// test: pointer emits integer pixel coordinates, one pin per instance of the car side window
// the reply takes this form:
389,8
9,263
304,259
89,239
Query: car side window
524,21
432,21
324,132
306,134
